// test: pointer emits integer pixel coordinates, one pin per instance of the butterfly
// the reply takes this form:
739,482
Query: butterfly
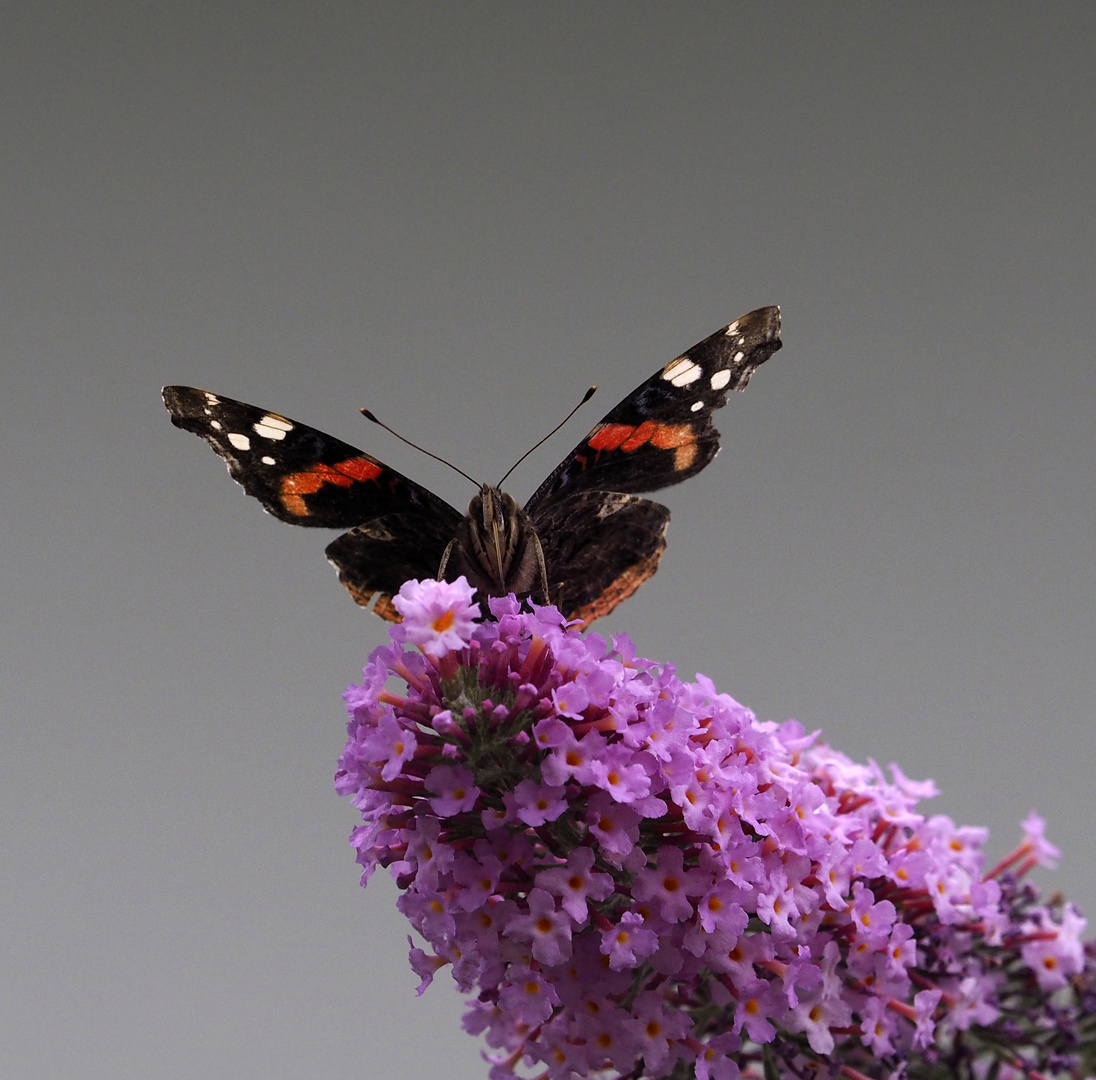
585,541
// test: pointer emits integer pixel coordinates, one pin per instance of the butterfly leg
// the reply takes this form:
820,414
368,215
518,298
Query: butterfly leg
542,570
445,558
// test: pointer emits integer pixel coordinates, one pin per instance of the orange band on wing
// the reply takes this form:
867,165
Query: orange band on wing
684,456
359,468
609,437
641,435
296,485
620,589
628,438
671,436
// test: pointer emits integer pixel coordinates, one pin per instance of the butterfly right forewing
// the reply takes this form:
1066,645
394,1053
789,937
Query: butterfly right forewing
601,541
662,432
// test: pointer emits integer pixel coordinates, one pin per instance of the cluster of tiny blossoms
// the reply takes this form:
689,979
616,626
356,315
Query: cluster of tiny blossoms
636,878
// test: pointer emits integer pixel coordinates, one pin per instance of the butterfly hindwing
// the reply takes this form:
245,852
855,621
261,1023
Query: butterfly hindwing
376,558
599,548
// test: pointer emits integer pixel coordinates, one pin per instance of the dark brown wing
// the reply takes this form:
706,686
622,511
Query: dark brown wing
662,432
306,477
300,475
376,558
599,547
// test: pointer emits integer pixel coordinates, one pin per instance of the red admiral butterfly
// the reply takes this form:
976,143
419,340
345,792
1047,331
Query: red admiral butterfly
584,541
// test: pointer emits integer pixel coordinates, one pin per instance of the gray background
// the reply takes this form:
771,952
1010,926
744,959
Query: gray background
460,216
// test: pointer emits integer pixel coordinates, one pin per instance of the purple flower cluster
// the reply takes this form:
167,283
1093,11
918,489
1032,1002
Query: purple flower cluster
637,878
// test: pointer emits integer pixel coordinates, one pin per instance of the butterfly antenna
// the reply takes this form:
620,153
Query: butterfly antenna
585,398
380,423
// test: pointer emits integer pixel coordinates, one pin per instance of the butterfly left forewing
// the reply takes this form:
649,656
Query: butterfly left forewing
301,475
398,529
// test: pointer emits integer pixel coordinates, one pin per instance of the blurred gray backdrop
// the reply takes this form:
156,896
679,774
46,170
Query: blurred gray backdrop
461,215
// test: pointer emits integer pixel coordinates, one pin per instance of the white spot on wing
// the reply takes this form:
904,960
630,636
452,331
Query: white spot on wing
739,357
241,442
682,371
216,425
269,430
732,328
271,420
268,460
720,379
696,406
211,398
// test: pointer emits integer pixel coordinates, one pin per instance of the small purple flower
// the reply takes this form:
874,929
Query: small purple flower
878,1027
924,1005
818,1016
759,1004
534,803
478,879
1054,951
393,743
660,1028
872,920
1044,852
527,996
574,758
547,929
570,700
438,616
720,908
617,771
629,942
615,827
454,790
576,883
669,885
974,1002
714,1062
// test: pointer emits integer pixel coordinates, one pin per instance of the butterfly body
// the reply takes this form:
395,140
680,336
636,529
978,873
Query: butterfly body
497,548
585,540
